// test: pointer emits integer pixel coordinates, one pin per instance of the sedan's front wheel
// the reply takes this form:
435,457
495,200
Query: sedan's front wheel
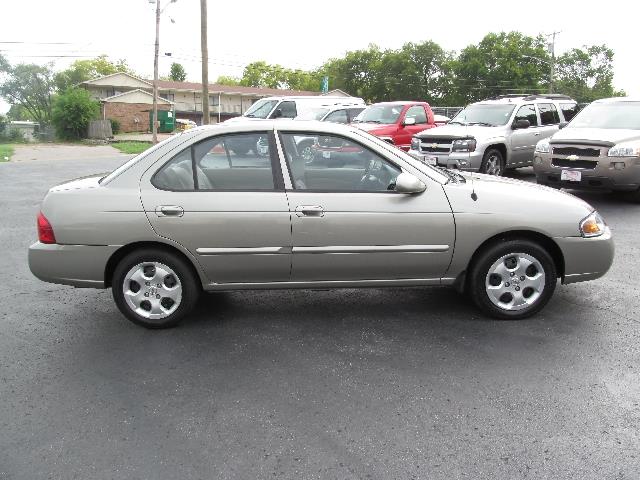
154,288
512,280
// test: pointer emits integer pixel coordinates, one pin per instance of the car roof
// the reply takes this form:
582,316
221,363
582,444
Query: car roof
399,102
617,100
518,99
257,125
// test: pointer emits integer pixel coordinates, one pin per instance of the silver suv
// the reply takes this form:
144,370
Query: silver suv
494,135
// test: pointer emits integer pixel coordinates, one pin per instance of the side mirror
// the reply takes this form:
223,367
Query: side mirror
520,124
277,113
407,183
409,121
562,125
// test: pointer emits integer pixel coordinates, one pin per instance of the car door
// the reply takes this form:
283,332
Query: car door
232,214
549,122
523,141
406,132
349,225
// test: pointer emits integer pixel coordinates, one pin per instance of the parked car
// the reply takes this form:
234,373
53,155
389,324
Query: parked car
337,113
598,150
396,122
494,135
187,215
291,107
308,147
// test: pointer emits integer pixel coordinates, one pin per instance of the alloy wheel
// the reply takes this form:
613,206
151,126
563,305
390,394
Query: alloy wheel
152,290
515,281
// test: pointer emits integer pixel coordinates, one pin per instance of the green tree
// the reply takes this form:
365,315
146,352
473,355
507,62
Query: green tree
31,87
262,74
586,74
502,63
226,80
18,112
177,73
72,111
83,70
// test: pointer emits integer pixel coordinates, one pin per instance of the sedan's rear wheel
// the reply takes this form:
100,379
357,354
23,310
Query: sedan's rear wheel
154,288
512,279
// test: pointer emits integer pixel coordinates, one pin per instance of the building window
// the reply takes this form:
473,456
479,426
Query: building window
167,96
213,100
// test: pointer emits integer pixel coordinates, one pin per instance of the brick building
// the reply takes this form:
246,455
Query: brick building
128,99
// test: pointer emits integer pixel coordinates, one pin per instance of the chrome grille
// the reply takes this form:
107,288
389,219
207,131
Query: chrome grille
436,145
579,151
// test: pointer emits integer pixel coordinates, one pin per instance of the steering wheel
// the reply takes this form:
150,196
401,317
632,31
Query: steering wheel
371,177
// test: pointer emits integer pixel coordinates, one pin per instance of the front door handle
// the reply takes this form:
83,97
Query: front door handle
310,211
169,211
537,134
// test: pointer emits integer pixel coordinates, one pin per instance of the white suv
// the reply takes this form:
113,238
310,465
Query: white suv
494,135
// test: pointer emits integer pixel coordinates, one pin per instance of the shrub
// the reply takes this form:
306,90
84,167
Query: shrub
72,112
115,126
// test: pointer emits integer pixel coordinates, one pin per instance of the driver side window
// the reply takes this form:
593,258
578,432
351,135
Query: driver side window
336,164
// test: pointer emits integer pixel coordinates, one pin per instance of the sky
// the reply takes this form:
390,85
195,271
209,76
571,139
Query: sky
296,34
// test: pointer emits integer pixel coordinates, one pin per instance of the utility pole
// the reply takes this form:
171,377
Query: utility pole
205,62
552,48
154,127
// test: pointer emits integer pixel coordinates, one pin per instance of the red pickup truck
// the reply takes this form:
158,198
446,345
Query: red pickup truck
396,122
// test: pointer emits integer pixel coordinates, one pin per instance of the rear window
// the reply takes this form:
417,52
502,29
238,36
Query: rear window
569,110
548,114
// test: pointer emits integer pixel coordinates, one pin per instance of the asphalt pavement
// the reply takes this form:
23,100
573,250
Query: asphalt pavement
349,384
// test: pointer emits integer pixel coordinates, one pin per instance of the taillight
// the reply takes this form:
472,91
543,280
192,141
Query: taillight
45,231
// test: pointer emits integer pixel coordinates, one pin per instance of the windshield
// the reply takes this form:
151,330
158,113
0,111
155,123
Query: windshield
615,115
261,108
380,114
313,114
484,114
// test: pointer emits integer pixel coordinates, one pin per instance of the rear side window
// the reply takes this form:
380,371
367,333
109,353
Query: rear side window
418,113
548,114
177,174
527,112
339,116
569,110
287,109
225,162
354,112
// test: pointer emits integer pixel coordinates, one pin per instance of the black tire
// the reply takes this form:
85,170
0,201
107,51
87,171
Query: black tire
186,280
492,163
479,278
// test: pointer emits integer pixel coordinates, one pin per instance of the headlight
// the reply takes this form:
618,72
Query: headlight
464,145
592,226
415,143
543,146
627,149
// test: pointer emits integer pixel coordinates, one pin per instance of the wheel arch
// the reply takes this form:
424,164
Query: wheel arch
502,148
123,251
541,239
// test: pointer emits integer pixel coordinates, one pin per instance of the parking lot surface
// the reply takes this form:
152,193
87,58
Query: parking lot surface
347,384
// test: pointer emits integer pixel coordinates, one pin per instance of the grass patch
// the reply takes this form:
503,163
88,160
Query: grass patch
131,147
5,152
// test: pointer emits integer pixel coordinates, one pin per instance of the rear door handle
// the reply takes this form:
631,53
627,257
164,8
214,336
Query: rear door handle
169,211
310,211
536,134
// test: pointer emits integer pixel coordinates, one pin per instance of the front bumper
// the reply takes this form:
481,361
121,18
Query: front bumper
603,177
460,160
76,265
586,258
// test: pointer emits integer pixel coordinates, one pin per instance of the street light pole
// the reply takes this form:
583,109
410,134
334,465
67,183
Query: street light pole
553,61
154,127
